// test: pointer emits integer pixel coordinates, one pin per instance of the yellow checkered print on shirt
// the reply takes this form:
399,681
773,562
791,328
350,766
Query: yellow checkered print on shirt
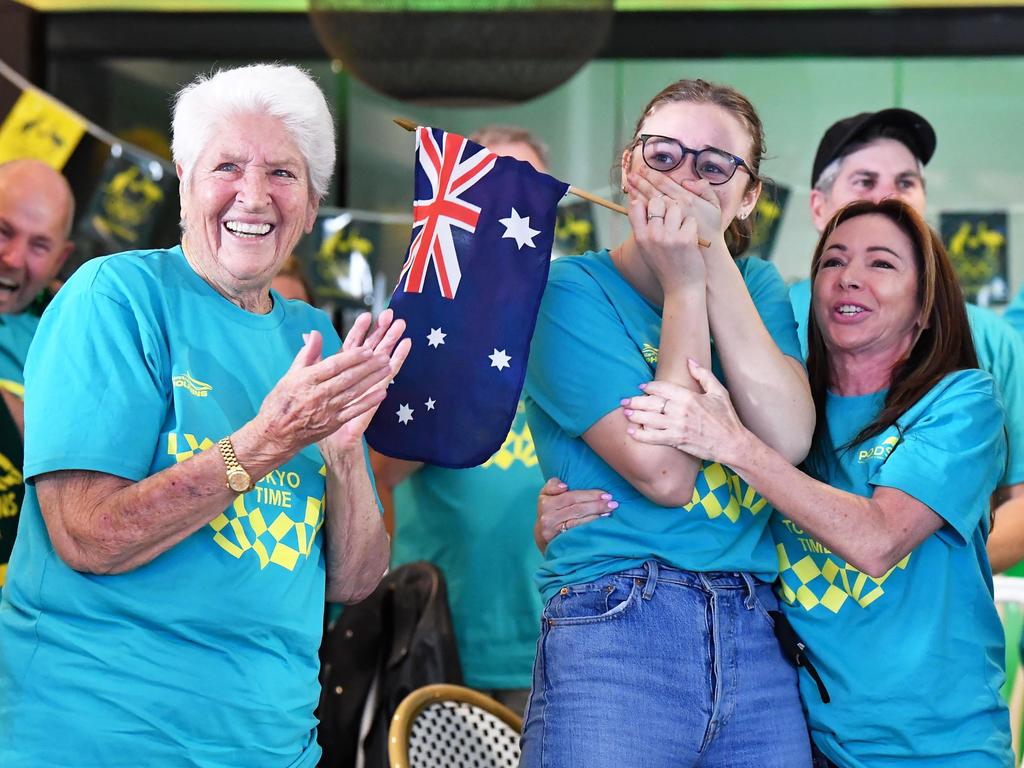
720,491
814,579
239,529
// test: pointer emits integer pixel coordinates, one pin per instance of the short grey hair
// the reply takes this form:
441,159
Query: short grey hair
288,93
511,134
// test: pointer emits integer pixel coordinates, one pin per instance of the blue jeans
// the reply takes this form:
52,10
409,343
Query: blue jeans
667,669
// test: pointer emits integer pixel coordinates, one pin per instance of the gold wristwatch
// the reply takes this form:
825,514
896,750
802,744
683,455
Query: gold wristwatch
239,480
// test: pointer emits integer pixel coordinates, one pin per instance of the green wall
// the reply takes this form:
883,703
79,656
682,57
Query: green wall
971,103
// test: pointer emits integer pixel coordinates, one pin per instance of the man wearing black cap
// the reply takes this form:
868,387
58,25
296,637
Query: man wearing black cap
869,156
875,155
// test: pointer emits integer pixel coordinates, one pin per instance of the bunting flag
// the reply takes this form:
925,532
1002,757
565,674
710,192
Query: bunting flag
768,220
978,245
483,229
574,229
40,127
132,196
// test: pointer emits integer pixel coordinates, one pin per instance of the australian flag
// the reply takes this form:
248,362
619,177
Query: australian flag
483,227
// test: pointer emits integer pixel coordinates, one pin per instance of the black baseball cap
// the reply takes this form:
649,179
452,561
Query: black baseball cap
918,134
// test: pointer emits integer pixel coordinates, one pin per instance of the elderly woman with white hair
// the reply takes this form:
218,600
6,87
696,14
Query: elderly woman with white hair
189,433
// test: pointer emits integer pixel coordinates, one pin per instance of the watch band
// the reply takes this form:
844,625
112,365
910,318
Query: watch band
232,465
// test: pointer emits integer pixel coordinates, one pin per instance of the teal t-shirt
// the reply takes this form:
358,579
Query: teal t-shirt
596,340
913,660
207,655
476,525
16,332
800,298
1000,352
1014,312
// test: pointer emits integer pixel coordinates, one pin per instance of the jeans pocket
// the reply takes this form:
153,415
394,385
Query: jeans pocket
765,602
602,600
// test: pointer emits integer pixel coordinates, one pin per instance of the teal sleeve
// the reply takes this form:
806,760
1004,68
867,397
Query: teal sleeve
1001,353
96,399
1014,313
771,298
582,360
953,454
800,300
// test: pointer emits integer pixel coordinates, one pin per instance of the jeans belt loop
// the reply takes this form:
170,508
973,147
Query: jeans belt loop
652,579
751,586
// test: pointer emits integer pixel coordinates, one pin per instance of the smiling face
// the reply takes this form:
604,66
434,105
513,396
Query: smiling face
35,208
866,290
247,204
884,168
699,126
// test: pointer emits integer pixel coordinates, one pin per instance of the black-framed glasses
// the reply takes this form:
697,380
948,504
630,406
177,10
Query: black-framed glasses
715,166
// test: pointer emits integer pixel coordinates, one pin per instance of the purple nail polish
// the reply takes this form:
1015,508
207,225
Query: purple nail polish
606,497
613,505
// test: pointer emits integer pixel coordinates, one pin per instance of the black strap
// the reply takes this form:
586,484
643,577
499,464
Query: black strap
796,651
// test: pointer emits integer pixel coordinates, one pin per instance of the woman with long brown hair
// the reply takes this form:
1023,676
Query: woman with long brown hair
657,646
881,537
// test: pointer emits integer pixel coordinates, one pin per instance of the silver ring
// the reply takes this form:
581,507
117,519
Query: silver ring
654,216
563,527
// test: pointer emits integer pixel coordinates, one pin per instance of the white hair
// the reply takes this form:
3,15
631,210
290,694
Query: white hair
288,93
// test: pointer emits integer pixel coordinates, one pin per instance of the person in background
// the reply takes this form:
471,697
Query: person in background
876,155
657,644
476,526
882,535
291,283
197,479
37,209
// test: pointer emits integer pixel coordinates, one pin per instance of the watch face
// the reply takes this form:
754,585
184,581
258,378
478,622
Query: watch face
239,481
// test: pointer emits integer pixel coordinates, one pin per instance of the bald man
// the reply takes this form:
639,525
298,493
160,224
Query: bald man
36,211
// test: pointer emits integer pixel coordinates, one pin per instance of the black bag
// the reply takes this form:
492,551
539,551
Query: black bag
398,639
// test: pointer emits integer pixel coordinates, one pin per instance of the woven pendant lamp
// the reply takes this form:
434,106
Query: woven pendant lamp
462,51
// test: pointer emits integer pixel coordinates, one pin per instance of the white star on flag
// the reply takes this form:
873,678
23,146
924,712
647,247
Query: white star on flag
435,338
499,359
404,413
431,402
518,228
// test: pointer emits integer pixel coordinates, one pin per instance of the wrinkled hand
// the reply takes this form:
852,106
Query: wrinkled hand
666,237
559,509
333,399
703,424
694,197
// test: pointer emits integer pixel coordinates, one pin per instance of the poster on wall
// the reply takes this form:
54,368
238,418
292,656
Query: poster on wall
767,218
978,247
575,231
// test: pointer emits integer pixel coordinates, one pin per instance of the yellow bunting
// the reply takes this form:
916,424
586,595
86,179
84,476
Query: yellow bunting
40,127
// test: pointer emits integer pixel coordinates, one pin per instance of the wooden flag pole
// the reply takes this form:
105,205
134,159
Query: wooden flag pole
409,125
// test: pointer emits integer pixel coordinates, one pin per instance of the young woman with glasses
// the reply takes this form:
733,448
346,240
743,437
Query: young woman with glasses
657,644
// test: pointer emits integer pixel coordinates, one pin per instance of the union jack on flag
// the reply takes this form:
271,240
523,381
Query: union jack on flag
483,227
450,174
